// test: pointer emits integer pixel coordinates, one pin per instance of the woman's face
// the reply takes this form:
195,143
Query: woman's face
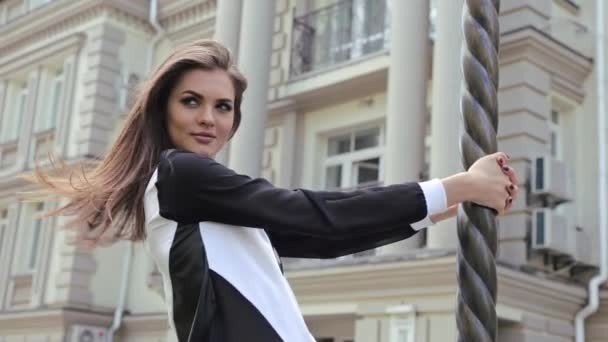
201,111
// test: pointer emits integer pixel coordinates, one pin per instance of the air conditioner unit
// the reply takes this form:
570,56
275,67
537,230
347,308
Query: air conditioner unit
550,180
550,232
87,333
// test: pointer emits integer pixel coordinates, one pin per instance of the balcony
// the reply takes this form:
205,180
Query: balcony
342,32
338,33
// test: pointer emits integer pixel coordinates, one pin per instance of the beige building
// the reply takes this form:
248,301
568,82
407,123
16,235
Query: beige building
334,118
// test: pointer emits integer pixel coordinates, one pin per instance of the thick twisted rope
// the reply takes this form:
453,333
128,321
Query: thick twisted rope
476,313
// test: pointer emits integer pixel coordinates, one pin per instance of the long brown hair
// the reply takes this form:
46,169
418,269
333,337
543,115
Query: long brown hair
107,201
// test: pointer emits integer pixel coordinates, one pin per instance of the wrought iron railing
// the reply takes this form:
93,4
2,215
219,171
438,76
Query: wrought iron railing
338,33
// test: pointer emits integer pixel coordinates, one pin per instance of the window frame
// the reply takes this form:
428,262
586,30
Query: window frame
14,123
555,131
349,159
29,239
48,117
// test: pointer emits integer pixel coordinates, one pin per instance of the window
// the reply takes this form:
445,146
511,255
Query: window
401,330
3,224
13,116
555,135
353,159
30,238
49,114
37,3
14,9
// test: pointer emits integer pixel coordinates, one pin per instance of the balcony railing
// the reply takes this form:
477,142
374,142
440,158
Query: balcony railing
338,33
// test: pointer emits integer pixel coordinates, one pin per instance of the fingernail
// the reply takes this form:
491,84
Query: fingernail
506,168
511,187
510,200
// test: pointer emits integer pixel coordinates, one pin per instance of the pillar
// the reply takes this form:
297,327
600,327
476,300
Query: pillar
445,116
255,47
406,107
227,26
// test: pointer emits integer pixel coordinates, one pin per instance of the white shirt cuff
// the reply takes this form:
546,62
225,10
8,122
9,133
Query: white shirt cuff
436,201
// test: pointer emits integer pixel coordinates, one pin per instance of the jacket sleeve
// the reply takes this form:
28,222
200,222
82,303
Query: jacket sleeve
292,245
193,188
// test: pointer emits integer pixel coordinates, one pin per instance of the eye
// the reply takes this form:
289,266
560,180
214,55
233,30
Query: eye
190,102
225,107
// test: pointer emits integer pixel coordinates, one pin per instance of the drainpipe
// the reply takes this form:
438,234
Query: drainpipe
596,282
124,286
160,32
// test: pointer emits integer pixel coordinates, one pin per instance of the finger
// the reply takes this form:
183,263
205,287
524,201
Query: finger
501,158
509,203
515,193
510,172
510,190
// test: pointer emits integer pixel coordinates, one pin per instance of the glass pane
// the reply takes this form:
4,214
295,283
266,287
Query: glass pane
3,213
20,113
540,171
540,228
367,171
36,3
35,247
555,117
338,145
333,177
56,102
367,138
553,144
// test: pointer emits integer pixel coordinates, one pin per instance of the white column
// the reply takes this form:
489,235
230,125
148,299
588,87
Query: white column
228,24
406,108
227,27
255,47
445,119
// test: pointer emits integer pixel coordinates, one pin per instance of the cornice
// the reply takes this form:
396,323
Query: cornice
145,323
184,16
568,68
50,319
33,53
61,16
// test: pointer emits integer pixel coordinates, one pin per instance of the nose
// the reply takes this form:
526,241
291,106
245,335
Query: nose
205,116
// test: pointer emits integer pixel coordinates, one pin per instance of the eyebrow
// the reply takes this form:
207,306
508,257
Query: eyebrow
199,96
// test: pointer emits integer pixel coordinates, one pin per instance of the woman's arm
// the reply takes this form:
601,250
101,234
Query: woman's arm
451,212
192,188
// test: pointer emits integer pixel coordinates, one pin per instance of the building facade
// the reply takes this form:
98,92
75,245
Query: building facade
356,93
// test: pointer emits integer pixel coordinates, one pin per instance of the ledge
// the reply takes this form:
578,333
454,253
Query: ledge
430,284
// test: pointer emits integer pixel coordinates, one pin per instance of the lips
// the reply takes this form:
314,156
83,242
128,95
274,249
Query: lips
203,138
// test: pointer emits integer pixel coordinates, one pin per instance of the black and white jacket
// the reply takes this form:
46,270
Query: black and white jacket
213,234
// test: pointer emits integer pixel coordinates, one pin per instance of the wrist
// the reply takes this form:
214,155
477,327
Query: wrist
459,188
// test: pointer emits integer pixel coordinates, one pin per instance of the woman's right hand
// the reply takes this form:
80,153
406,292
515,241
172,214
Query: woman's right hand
494,183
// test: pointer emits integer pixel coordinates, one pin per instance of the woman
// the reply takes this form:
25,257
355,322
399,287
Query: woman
212,232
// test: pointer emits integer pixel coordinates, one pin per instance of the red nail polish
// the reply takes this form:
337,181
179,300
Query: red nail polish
506,168
511,187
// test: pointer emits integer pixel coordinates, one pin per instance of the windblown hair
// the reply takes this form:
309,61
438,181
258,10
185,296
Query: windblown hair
106,201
